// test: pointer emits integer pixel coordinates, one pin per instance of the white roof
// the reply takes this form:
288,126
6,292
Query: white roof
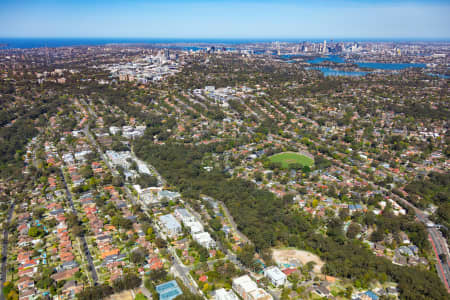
202,237
183,213
170,222
246,283
195,227
275,273
223,294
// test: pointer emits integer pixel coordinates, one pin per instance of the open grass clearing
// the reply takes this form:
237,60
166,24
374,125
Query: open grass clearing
288,158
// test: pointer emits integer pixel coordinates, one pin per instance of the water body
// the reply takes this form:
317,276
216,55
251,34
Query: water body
24,43
65,42
439,75
326,71
389,66
371,65
332,58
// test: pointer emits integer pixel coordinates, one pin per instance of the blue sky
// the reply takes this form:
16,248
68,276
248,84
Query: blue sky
226,19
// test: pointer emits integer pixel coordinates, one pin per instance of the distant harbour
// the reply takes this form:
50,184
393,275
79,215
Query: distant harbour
329,71
326,71
369,65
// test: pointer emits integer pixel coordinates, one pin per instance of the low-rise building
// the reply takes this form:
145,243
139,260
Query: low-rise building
194,227
184,215
204,239
170,225
275,275
223,294
245,287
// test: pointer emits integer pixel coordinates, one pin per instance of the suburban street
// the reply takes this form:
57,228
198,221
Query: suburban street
438,242
82,238
438,248
179,269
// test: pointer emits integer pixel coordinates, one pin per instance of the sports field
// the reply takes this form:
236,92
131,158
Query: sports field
287,158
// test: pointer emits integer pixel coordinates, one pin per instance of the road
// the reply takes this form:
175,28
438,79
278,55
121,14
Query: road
438,242
82,238
5,249
182,271
441,267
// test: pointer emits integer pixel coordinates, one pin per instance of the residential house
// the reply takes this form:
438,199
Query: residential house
275,275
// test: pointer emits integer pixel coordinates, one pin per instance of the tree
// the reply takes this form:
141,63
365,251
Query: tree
138,256
117,181
33,231
126,282
215,224
344,213
146,180
44,282
246,255
86,172
121,222
95,292
353,230
377,235
258,176
157,275
202,251
160,243
77,230
150,231
12,295
7,287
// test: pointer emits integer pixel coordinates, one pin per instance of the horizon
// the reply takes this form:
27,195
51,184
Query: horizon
56,42
249,39
418,38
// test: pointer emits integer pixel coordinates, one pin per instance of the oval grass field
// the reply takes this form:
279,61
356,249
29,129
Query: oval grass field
287,158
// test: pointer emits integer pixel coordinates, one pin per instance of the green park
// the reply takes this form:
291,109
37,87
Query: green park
287,159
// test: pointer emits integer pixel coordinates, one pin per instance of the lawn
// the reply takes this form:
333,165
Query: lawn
140,296
287,158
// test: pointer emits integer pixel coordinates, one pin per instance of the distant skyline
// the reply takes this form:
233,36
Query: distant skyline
214,19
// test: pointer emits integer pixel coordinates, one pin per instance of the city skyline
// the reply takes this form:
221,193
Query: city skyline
226,19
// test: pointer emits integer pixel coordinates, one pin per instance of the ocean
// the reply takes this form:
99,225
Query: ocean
23,43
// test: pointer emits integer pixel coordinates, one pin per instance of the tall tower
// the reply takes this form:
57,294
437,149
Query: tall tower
324,46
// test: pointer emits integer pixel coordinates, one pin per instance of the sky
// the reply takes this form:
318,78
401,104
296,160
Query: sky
250,19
